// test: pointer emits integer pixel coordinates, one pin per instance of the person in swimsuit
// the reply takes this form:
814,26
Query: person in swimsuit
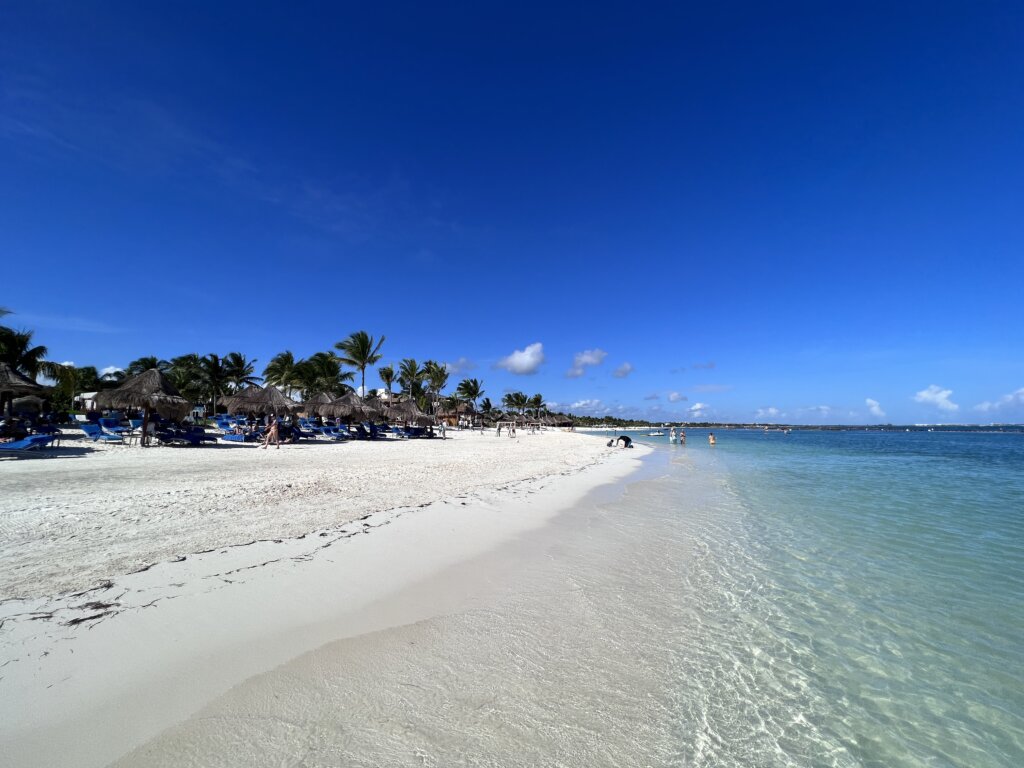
272,434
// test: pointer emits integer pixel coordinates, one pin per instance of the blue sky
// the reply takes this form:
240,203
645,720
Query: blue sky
776,211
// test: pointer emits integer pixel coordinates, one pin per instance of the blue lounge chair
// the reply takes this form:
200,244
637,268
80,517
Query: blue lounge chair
335,433
95,433
113,426
30,443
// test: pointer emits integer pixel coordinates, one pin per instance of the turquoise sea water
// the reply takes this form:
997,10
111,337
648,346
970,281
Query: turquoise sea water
861,602
812,599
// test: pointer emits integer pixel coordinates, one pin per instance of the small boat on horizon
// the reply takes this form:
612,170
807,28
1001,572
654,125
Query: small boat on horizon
659,433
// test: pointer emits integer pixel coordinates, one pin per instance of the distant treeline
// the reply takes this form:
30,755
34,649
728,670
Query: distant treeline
611,421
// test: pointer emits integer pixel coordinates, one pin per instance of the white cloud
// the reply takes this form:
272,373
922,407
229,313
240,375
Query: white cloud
937,396
699,410
583,359
524,362
109,370
460,365
768,413
69,363
1011,401
874,408
623,371
676,397
587,406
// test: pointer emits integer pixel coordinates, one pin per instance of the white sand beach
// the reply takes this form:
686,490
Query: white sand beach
139,585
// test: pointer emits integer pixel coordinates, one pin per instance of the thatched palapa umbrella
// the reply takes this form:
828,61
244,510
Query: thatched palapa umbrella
350,406
150,391
270,400
242,395
315,404
13,384
16,383
408,412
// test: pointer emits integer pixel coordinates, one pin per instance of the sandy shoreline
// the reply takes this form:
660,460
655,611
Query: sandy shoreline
68,523
166,640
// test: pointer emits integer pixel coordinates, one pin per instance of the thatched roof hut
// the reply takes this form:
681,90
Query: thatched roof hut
241,395
350,406
409,413
269,400
15,383
151,391
460,409
314,404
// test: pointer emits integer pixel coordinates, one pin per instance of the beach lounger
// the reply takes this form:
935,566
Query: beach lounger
113,426
176,438
95,433
30,443
335,433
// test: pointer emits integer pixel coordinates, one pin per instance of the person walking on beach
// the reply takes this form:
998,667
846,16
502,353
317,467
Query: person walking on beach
272,434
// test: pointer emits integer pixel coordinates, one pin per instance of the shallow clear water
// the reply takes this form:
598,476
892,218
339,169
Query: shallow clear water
812,599
865,598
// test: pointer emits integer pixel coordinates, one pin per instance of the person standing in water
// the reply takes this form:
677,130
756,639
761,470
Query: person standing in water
711,438
672,435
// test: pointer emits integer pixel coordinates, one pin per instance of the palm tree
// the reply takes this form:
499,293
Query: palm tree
112,378
322,372
187,376
17,351
515,401
536,402
410,376
143,364
361,350
239,371
436,377
214,377
485,406
470,390
387,376
282,372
